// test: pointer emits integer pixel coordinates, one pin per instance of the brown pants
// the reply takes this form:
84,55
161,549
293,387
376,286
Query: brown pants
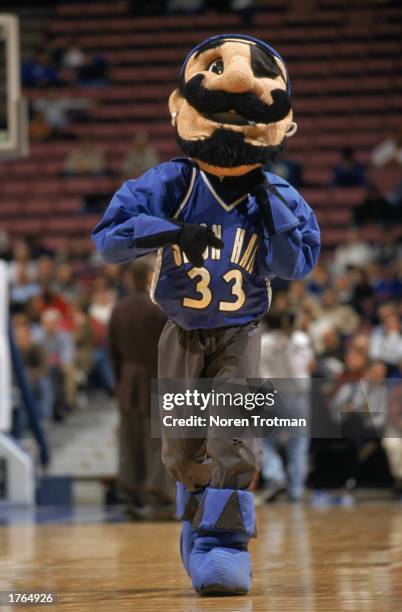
142,478
232,352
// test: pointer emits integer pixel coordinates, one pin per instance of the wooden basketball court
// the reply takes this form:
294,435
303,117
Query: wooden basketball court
305,559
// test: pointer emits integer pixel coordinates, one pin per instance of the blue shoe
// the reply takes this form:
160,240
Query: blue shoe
219,562
186,507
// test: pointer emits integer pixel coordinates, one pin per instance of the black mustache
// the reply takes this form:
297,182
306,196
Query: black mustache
227,149
248,105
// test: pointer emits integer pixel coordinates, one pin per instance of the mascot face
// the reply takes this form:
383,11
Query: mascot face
232,111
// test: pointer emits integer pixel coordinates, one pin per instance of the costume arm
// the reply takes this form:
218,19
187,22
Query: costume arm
291,237
139,209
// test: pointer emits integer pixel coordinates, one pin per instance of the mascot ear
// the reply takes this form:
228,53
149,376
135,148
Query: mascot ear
175,101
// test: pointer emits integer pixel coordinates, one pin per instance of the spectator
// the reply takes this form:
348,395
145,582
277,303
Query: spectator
86,159
57,110
389,154
73,56
23,287
141,156
360,405
60,354
93,71
21,255
334,315
34,358
65,283
101,307
288,169
348,172
287,353
386,343
354,251
134,331
39,71
392,440
373,209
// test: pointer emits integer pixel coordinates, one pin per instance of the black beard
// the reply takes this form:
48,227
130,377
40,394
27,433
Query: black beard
227,149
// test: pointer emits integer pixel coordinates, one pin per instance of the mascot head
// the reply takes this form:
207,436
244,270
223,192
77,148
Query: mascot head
232,111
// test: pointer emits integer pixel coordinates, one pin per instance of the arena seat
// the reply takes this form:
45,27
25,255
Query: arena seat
344,61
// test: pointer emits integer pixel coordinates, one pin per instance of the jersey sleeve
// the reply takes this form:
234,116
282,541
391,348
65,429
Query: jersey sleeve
292,251
140,208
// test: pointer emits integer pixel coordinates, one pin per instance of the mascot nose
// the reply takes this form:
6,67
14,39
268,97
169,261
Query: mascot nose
238,77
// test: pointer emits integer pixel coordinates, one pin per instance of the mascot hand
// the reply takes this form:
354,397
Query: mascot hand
261,197
194,239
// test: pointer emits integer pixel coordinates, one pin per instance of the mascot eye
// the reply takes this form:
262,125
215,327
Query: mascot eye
216,66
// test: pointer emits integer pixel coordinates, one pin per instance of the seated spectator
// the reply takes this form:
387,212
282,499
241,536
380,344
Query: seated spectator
354,251
389,154
348,172
318,280
83,335
100,310
34,359
22,288
141,156
373,209
40,130
86,159
392,440
57,110
21,255
329,363
72,56
93,71
65,283
60,355
363,298
39,71
288,169
386,343
361,407
332,316
390,248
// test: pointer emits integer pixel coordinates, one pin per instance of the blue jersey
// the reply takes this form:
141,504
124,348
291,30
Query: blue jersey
233,286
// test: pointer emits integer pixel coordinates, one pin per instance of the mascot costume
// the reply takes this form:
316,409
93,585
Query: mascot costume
223,228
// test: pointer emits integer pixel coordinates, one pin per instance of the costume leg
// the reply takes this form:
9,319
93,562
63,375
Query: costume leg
181,355
219,561
234,353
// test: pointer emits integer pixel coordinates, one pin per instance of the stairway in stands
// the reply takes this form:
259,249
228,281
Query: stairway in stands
345,64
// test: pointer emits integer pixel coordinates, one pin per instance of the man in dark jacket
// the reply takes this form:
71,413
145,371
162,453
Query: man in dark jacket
134,332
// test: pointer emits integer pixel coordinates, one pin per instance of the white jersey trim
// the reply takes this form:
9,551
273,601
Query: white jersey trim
188,194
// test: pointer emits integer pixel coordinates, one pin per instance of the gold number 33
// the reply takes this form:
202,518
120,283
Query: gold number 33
202,287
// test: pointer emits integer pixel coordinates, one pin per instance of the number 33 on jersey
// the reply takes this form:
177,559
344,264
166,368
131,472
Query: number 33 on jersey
232,287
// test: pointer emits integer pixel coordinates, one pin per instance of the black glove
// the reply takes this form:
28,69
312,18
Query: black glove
192,239
261,197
